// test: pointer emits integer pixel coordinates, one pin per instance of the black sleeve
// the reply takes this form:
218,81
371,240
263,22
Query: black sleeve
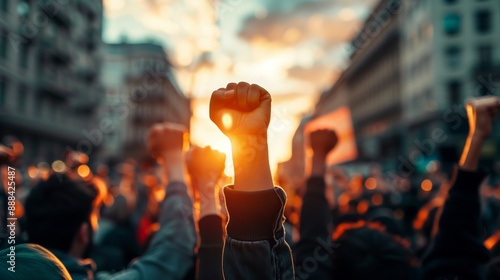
458,250
255,246
210,251
314,246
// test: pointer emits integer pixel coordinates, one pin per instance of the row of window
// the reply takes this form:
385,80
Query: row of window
453,56
452,23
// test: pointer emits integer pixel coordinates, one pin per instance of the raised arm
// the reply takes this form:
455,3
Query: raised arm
171,252
205,168
458,251
255,246
316,215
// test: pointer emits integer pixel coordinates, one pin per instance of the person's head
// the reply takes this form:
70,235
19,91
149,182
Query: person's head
61,215
31,261
365,252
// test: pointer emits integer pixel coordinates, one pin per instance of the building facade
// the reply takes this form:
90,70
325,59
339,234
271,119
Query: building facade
450,53
413,65
371,85
140,91
49,69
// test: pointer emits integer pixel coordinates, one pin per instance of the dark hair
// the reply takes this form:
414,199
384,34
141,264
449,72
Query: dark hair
368,253
55,209
32,262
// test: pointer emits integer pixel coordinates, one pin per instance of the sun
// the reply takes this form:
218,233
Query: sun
205,133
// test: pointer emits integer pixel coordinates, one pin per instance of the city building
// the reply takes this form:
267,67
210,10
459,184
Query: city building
413,65
450,52
49,74
140,91
371,85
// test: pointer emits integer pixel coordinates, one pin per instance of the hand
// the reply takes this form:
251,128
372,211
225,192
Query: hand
481,112
323,141
7,155
165,142
165,137
205,167
242,112
241,109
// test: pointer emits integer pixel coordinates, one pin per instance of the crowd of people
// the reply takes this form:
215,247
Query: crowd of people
173,220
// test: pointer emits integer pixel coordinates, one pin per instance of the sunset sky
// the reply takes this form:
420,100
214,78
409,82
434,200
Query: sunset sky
295,49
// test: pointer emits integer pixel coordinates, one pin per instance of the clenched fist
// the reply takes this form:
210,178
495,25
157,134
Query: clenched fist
205,165
323,141
241,109
481,113
165,137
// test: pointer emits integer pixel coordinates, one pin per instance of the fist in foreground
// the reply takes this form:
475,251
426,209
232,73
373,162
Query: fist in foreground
241,109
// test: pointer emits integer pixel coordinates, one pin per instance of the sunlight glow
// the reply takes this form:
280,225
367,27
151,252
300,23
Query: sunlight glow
227,121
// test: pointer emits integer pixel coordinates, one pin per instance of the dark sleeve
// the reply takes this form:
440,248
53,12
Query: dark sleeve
171,252
210,251
458,250
255,246
315,239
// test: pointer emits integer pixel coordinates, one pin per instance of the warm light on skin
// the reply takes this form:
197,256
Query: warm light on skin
227,121
83,171
426,185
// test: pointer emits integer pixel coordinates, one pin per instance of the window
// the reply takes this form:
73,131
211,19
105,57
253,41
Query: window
3,5
451,24
483,21
3,45
21,99
452,56
454,92
24,56
485,55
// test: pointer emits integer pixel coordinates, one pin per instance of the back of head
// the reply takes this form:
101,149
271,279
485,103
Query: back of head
55,209
368,253
31,262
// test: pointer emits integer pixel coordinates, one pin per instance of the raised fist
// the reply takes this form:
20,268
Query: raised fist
165,137
323,141
205,165
241,109
481,113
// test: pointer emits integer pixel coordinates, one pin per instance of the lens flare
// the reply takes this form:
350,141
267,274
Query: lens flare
426,185
59,166
83,171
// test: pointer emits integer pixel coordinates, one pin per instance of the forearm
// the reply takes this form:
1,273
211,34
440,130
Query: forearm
315,217
459,225
173,166
255,246
210,251
470,156
251,163
171,252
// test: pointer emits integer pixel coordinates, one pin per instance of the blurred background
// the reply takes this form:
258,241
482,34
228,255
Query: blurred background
93,76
